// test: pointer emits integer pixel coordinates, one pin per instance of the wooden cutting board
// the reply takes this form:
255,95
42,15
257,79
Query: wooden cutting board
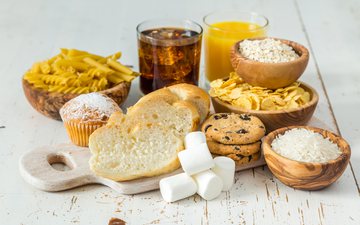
35,168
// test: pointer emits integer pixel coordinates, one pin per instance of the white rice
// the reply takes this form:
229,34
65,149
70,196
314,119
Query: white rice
305,145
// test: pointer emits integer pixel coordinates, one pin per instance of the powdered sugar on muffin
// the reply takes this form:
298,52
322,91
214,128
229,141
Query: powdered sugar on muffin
89,107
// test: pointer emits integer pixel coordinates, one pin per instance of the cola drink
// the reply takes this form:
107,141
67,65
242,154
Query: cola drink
168,56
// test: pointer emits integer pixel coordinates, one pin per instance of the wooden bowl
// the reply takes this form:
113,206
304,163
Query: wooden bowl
274,119
270,75
303,175
49,104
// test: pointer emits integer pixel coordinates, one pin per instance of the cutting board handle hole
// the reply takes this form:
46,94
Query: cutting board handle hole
59,162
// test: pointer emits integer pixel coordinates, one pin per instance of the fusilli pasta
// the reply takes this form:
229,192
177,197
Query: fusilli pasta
78,72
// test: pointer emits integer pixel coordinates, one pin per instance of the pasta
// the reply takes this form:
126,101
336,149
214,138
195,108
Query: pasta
78,72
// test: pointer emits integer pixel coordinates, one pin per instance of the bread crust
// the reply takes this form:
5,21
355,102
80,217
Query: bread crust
115,119
174,165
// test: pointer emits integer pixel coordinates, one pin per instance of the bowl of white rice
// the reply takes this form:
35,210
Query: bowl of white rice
305,157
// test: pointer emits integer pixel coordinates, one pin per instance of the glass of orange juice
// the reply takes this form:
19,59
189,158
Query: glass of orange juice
221,31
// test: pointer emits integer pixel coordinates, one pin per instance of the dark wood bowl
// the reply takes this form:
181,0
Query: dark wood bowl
49,104
270,75
274,119
304,175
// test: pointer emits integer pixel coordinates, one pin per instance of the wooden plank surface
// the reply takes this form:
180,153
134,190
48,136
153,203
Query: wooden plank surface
34,30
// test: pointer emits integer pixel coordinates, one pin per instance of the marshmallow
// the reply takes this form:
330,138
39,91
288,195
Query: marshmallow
193,139
209,184
196,160
225,169
177,187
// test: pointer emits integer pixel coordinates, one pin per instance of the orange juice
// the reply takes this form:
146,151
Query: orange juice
219,38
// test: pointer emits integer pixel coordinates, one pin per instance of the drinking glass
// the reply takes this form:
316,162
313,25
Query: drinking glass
221,31
169,53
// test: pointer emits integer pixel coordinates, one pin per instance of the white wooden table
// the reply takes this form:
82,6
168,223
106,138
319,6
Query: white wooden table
34,30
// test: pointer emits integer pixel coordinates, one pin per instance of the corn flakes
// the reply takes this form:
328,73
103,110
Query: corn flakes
238,93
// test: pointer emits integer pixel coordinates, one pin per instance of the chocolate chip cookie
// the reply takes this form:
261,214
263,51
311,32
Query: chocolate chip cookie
245,150
231,128
242,160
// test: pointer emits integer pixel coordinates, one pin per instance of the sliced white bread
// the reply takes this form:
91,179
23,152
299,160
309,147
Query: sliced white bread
121,153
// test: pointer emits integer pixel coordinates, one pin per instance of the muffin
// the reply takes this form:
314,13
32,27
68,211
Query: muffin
84,114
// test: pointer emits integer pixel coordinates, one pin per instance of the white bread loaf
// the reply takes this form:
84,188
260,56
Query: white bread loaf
187,92
181,117
146,140
195,95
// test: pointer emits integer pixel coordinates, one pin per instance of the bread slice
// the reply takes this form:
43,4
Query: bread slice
124,153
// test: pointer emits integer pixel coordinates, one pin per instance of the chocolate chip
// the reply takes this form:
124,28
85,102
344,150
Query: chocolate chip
116,221
245,117
224,115
104,117
240,156
221,116
217,117
207,127
242,131
237,148
250,157
215,129
227,138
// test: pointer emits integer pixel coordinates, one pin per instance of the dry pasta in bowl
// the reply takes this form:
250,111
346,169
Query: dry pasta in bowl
78,72
49,84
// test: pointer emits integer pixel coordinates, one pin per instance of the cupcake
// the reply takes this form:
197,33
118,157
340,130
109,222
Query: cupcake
84,114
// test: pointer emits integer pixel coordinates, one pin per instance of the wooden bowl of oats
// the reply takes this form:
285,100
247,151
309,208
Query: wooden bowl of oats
269,62
306,158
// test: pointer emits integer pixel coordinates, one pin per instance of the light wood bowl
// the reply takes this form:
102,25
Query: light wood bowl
302,175
275,119
270,75
49,104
